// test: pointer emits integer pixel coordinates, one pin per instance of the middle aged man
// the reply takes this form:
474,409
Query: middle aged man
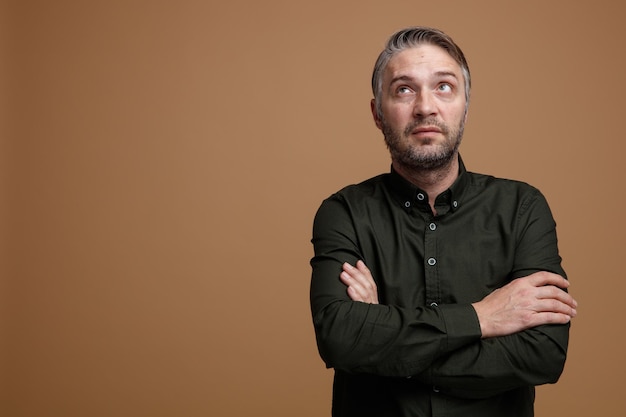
436,291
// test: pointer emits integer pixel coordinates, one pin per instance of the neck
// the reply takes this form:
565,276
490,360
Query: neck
432,181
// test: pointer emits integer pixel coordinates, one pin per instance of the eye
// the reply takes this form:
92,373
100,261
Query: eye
403,90
444,87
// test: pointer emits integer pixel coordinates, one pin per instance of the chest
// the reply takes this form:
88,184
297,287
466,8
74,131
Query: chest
418,259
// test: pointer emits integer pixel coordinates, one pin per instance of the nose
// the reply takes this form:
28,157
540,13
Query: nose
424,105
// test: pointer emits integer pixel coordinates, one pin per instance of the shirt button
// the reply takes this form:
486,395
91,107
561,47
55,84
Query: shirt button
436,389
432,226
432,261
455,204
420,196
433,304
407,204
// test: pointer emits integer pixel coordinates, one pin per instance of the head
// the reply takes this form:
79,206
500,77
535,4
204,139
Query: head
410,38
421,86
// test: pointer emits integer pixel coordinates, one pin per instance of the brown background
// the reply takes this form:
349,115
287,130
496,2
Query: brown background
162,162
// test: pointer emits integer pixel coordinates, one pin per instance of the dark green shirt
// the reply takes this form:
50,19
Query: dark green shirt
419,352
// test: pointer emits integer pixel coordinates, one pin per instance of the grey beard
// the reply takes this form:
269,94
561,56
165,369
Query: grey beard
413,159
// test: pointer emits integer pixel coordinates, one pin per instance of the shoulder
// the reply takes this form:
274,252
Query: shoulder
482,182
354,198
368,188
504,192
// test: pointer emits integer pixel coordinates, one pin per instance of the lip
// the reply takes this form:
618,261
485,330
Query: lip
426,129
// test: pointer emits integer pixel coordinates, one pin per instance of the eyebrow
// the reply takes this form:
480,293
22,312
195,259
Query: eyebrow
440,74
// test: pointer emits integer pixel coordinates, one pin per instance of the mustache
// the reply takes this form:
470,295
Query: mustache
424,123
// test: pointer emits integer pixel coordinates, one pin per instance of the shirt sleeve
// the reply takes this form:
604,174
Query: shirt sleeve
532,357
384,340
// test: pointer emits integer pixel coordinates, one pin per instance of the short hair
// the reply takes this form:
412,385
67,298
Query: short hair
412,37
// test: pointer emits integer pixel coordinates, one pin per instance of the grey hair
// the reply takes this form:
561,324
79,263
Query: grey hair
409,38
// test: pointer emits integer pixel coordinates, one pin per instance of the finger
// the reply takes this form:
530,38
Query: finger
346,278
357,286
355,295
542,278
360,265
352,286
367,274
550,318
353,273
360,274
361,284
347,267
551,292
555,306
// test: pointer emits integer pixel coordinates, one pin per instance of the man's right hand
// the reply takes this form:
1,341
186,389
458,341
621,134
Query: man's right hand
360,283
524,303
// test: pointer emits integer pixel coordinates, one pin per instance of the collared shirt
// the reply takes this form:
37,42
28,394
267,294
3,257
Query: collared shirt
420,352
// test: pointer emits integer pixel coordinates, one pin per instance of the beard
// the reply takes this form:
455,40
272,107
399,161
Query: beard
411,156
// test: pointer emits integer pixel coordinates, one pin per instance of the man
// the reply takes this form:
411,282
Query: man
436,291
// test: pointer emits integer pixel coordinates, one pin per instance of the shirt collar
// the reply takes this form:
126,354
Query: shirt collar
410,195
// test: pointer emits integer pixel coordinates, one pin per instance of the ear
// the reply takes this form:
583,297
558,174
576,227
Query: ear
377,120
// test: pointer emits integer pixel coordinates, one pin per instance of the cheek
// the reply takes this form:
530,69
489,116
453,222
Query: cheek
397,115
456,115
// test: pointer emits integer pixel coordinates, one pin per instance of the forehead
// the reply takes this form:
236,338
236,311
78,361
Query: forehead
421,61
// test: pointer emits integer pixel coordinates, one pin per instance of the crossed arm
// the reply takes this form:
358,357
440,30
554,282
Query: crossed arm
515,336
527,302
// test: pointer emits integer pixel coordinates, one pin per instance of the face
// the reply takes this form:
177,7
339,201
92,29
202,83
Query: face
423,107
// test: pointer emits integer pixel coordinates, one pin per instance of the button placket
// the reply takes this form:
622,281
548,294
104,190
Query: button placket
430,261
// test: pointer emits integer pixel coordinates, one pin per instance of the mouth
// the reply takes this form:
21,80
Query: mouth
423,130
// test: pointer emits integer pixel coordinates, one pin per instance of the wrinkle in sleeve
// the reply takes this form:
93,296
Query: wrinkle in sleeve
496,365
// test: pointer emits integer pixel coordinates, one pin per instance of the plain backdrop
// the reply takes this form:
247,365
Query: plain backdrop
162,162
